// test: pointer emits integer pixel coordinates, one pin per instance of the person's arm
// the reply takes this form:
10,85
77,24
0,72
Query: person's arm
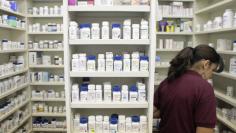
156,112
204,130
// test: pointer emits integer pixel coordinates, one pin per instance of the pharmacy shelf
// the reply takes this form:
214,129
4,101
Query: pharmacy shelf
163,66
13,74
227,75
227,99
109,105
168,50
141,8
109,74
11,91
227,52
45,16
49,114
47,0
216,31
109,42
175,33
176,0
11,12
214,7
226,122
20,124
12,51
157,83
11,28
178,17
13,110
45,50
46,66
45,33
48,99
47,83
49,130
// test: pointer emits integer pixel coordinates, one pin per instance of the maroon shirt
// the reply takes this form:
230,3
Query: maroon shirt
186,103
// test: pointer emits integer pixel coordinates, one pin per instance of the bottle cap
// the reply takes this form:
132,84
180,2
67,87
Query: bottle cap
144,57
115,25
116,88
118,57
135,119
133,88
91,57
83,120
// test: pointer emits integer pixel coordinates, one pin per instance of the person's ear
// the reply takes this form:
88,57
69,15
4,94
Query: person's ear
206,64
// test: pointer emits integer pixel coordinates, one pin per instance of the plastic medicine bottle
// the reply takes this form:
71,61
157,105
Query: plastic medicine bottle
75,93
85,31
91,63
83,125
106,124
135,61
101,62
141,92
128,125
144,29
109,61
99,124
135,31
82,63
116,93
144,63
91,93
91,124
107,91
113,125
126,62
125,93
121,124
105,30
118,63
228,17
83,92
143,124
116,31
98,93
95,31
73,30
232,67
135,124
133,94
127,29
75,62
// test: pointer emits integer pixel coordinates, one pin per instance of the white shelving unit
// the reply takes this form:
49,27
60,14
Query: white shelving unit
214,6
208,10
109,105
15,34
51,69
227,99
113,14
109,42
167,54
175,33
49,130
226,122
139,8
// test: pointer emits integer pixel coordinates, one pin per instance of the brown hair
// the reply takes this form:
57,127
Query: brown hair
189,56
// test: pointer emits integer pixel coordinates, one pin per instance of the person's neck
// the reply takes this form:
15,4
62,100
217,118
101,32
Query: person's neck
196,70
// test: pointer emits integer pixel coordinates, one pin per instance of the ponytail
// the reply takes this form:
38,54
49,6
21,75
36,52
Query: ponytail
181,63
188,56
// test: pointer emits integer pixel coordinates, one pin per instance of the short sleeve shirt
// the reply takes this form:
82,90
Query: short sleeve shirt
186,103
